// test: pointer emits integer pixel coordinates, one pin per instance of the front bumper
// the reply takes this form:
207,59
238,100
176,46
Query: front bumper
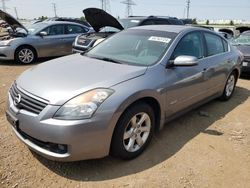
84,139
7,53
78,49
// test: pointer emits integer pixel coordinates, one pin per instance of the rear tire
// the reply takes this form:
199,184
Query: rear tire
229,87
25,55
133,131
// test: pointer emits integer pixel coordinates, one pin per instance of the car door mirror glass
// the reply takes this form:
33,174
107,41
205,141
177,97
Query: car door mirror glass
185,60
43,33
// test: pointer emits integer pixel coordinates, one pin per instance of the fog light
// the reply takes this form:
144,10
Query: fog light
61,147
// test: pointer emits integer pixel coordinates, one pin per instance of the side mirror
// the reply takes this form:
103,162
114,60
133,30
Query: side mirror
185,60
43,34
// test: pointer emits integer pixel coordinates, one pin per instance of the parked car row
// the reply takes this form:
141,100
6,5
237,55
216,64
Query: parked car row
106,25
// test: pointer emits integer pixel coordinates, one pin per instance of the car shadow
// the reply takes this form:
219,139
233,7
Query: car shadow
174,136
245,76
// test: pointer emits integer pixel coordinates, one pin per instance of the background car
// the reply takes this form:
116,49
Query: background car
111,99
44,39
242,43
105,25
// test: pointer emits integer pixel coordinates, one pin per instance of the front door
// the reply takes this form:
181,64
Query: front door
54,43
186,85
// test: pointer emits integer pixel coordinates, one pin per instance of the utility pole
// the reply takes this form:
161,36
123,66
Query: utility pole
105,5
15,9
54,8
129,4
188,8
4,5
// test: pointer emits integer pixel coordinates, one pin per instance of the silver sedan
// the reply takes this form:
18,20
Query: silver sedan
44,39
111,99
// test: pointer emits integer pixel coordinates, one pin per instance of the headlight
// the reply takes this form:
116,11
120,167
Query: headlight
5,43
84,105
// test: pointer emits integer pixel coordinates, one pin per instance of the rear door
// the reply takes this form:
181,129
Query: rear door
218,62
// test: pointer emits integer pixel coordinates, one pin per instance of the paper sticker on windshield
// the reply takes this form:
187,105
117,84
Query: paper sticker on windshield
160,39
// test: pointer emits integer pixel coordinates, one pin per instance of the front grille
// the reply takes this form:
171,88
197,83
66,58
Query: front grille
247,58
25,102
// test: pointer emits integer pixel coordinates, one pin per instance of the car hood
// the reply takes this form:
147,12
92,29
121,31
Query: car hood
62,79
98,19
244,49
14,24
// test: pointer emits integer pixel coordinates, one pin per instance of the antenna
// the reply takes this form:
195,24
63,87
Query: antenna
129,4
188,8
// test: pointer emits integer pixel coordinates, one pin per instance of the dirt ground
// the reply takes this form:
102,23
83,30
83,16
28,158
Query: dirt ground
208,147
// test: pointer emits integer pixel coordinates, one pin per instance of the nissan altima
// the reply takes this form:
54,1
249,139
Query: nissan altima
111,99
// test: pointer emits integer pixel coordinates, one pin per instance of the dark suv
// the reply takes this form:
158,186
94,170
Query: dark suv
105,25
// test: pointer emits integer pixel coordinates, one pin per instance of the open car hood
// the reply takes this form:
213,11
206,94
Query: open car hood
98,19
13,23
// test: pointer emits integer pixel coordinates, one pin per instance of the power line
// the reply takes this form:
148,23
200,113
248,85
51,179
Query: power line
188,8
54,8
129,4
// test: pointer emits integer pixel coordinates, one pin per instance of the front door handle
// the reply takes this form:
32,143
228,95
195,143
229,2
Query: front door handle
204,70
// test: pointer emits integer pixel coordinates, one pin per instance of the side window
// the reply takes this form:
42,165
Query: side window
214,44
191,44
161,22
148,22
225,45
55,30
74,29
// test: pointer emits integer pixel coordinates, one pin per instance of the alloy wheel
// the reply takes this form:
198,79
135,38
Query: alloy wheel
230,85
26,55
137,132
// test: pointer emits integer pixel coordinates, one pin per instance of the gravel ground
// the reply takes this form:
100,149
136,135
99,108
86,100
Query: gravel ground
208,147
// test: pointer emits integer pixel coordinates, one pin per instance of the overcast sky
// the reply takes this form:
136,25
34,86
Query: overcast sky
211,9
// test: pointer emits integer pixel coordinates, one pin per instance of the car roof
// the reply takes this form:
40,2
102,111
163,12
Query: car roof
169,28
61,22
150,17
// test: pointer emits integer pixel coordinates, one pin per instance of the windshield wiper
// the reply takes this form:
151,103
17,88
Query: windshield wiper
109,60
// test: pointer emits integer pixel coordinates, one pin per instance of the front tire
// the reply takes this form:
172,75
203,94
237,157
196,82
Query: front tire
25,55
229,87
133,131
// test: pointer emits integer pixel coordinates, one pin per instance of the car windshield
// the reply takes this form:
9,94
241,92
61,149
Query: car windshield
241,40
109,29
34,28
134,47
128,23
